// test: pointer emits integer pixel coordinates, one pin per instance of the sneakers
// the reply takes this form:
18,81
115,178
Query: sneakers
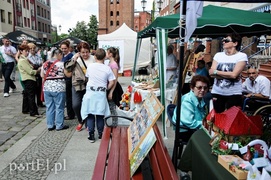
91,138
6,94
12,90
79,127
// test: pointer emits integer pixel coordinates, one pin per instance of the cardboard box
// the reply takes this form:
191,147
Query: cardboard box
226,161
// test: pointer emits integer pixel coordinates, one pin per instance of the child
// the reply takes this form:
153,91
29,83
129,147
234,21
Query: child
95,105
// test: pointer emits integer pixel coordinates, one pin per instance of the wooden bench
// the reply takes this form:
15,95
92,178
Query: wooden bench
112,161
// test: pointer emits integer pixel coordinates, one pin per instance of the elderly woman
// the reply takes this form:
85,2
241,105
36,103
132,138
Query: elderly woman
193,108
52,72
226,69
36,61
28,76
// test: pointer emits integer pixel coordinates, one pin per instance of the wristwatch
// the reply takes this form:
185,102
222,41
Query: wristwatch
215,72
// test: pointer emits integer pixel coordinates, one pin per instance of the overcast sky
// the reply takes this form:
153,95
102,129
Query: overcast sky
67,12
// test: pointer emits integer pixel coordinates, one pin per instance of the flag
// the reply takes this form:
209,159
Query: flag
193,11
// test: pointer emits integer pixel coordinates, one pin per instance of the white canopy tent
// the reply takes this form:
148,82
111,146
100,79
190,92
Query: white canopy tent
124,38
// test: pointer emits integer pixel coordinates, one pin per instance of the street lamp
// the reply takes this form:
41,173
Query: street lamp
59,27
143,4
159,4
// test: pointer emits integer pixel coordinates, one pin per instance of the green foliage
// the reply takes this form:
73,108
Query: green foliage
87,32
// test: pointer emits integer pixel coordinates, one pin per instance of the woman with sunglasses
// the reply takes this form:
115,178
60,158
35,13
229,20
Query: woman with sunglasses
226,69
193,108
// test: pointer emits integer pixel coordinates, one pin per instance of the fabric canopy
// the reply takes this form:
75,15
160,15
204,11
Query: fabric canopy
125,39
73,40
215,21
18,36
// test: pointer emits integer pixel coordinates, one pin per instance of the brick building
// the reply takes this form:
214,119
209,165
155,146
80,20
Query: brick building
113,13
141,20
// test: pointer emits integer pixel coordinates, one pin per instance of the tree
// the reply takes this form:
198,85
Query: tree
87,32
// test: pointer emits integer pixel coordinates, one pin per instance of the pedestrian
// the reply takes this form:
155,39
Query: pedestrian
28,76
115,93
171,64
82,60
67,55
36,62
226,69
8,52
95,106
54,87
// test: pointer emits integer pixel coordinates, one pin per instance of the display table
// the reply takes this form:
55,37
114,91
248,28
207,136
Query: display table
197,158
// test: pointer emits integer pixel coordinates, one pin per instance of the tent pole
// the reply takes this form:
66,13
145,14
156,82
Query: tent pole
175,155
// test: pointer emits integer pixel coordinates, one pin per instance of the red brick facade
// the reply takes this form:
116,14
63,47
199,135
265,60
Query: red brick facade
113,13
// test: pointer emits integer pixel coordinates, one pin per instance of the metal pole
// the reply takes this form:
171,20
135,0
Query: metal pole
179,93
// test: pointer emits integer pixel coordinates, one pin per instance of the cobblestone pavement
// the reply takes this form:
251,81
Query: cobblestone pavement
14,124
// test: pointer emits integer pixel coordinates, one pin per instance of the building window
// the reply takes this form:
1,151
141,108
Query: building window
111,1
118,1
2,16
27,4
111,23
24,3
118,13
25,25
117,23
9,17
111,13
28,22
9,1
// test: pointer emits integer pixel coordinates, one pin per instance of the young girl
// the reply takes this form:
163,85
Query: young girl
94,104
115,93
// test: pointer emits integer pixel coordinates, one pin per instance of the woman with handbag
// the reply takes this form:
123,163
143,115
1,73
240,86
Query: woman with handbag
81,59
54,87
115,93
28,76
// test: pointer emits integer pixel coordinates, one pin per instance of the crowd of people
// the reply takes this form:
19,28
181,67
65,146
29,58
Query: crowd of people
226,89
61,78
90,90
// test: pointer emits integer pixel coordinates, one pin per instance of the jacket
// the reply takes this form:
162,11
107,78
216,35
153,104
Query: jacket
79,79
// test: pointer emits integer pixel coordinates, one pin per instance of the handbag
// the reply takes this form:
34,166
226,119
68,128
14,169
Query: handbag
44,79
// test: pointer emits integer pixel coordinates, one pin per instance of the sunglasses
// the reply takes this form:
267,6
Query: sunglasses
201,87
226,40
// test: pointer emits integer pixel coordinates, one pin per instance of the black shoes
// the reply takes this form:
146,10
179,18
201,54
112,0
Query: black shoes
100,135
91,138
52,128
63,128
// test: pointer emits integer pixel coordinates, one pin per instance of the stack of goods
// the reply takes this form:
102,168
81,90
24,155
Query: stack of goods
126,98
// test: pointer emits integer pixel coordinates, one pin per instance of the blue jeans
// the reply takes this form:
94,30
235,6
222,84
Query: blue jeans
7,69
91,123
55,104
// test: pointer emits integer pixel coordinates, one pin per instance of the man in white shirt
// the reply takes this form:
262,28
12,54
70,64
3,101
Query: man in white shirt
171,63
8,52
257,86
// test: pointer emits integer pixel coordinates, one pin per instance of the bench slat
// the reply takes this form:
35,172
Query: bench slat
165,164
100,165
124,165
112,171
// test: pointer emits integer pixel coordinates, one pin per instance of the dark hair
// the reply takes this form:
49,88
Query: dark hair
100,54
116,55
197,78
23,47
56,51
201,62
236,38
66,42
84,45
200,48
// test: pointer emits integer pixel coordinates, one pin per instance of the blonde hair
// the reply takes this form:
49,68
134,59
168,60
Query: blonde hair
31,45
